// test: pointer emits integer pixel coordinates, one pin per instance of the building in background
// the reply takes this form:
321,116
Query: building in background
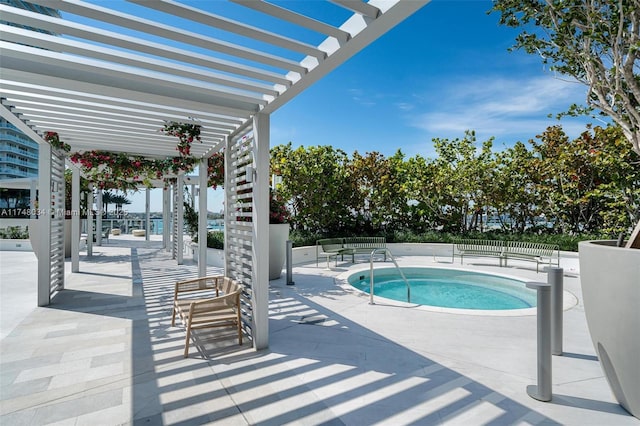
19,153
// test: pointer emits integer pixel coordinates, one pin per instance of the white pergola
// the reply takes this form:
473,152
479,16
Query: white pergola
107,75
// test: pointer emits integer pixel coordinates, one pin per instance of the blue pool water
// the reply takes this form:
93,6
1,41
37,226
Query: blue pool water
448,288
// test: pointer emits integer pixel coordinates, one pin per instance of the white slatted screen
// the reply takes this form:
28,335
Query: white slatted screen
239,217
57,209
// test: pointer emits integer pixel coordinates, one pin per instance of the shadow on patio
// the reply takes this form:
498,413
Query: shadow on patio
104,353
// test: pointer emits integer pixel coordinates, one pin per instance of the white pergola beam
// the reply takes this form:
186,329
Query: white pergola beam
185,101
295,18
85,32
161,30
72,99
28,59
107,125
363,33
206,18
57,44
62,112
360,7
12,118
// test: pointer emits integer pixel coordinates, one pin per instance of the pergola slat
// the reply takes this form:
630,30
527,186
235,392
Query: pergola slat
57,44
295,18
99,115
24,67
36,93
161,30
206,18
360,7
85,32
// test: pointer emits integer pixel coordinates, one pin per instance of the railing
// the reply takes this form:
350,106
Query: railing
388,253
128,224
20,151
15,172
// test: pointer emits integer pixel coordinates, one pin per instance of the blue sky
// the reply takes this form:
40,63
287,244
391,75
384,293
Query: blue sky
444,70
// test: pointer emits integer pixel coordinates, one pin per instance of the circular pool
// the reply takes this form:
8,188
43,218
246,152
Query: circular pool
447,288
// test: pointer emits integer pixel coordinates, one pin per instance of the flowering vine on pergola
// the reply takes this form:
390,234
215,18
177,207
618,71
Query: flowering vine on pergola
122,171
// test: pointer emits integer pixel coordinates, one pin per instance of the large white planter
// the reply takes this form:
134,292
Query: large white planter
278,236
215,257
15,245
610,278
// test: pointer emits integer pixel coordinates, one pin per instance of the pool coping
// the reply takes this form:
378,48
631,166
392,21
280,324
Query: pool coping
341,280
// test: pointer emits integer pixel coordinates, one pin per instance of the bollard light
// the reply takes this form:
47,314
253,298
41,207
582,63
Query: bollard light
554,279
542,391
289,263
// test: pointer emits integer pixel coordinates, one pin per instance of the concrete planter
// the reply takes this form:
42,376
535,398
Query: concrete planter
610,278
15,245
215,257
278,236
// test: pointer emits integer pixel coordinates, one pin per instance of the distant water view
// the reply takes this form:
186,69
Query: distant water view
157,224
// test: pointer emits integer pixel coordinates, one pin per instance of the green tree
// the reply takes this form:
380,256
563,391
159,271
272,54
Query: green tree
316,184
597,42
461,182
107,198
120,200
590,184
381,185
416,172
514,192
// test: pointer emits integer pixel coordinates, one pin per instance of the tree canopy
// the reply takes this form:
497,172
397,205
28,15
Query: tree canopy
597,42
556,185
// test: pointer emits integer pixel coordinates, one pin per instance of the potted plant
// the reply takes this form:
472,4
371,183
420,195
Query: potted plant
603,59
610,279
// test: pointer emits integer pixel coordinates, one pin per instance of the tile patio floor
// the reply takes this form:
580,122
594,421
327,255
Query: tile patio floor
104,353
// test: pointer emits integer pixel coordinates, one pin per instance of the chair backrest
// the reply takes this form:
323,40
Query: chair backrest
534,249
331,244
227,285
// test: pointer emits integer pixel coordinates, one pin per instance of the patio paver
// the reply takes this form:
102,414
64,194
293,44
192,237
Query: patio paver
104,353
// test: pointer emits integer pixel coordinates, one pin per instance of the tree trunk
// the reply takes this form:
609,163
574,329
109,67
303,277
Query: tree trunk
634,239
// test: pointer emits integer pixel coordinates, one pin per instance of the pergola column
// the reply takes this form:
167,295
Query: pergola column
166,218
75,220
43,229
147,212
90,232
99,208
202,218
260,221
180,219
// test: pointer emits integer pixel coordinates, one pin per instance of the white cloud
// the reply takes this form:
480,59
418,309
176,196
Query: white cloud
361,98
404,106
511,108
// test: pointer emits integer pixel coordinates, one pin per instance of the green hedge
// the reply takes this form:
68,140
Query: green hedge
215,240
304,238
14,233
565,242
